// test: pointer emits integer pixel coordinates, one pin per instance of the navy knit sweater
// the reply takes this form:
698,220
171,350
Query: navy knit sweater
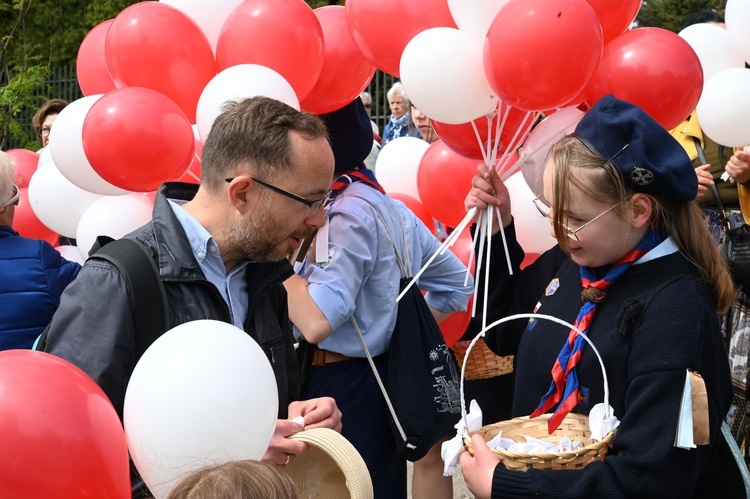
657,321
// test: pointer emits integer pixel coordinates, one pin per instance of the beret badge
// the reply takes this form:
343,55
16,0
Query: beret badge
641,176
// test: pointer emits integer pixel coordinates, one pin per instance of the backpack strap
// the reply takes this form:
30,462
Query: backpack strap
145,289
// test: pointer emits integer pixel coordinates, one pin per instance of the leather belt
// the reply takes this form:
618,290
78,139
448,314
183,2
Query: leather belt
323,357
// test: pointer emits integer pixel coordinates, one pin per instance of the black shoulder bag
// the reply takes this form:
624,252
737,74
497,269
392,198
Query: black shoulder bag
736,246
422,387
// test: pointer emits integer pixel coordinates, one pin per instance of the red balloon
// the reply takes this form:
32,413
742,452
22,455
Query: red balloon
136,138
443,179
283,35
455,325
417,208
91,63
24,165
346,72
654,69
153,45
382,28
27,224
615,17
462,139
61,436
539,54
463,249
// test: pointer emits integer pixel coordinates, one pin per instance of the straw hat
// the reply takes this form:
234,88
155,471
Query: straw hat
331,468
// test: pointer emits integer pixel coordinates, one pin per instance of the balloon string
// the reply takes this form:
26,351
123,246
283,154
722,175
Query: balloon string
478,236
499,128
449,241
514,144
193,175
482,147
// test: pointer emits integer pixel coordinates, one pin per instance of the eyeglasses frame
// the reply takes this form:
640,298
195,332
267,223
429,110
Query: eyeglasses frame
313,205
14,198
571,233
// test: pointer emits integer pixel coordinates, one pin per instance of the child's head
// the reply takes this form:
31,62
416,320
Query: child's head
607,182
617,176
236,480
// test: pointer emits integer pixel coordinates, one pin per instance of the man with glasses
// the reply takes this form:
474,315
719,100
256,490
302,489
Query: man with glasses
220,248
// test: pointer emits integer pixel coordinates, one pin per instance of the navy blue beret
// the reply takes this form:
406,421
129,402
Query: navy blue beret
650,159
350,133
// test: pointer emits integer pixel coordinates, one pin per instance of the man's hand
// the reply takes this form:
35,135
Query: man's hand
705,179
317,413
738,167
479,468
282,450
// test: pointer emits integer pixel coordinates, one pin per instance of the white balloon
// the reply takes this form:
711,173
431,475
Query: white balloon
724,108
209,16
113,216
532,230
66,147
475,16
398,163
203,394
45,156
737,20
70,253
443,75
240,82
56,201
714,47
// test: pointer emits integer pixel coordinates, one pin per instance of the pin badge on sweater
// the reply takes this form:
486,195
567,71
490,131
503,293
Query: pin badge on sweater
551,288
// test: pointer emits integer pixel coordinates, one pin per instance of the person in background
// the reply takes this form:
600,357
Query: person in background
33,274
637,271
358,276
220,248
424,125
400,123
734,203
371,158
367,102
44,118
236,480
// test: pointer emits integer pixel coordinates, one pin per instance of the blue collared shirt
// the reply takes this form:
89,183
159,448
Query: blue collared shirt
233,287
360,274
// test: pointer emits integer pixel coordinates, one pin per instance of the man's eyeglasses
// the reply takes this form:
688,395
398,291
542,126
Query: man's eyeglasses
313,205
14,198
571,233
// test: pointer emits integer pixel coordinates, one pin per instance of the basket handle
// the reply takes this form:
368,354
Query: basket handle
529,316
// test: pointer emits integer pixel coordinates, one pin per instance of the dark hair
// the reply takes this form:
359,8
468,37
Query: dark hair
704,16
52,106
254,133
236,480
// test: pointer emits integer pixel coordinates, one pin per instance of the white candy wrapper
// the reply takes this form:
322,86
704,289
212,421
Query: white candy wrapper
451,449
599,424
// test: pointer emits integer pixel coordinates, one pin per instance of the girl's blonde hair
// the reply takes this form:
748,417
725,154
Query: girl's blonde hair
683,221
236,480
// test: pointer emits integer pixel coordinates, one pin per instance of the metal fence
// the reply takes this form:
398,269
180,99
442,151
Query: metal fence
63,84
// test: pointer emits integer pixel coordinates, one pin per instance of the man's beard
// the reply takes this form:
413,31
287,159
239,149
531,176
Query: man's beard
259,240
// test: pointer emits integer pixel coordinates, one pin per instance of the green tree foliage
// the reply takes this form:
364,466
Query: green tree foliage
673,14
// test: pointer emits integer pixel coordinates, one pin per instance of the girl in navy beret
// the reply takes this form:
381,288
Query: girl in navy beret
637,271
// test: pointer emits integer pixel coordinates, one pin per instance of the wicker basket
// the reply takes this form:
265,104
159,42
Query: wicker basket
574,425
483,363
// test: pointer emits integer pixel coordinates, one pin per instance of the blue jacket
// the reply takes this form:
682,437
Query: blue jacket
33,275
